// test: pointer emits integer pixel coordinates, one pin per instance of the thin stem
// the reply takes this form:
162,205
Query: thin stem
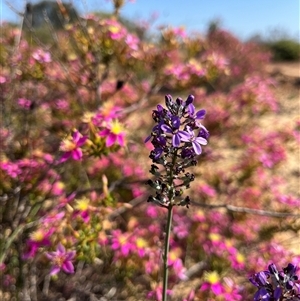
166,253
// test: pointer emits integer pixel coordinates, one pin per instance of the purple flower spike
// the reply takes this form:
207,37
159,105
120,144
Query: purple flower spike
276,285
177,138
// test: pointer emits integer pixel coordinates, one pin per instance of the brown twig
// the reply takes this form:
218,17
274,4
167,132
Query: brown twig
233,208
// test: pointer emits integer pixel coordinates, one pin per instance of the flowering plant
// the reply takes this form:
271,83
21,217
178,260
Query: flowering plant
274,285
177,138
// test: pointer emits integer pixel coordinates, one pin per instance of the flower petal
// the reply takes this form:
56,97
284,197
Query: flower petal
176,140
68,267
76,136
166,128
200,114
201,140
81,141
61,249
77,154
65,157
54,270
184,136
110,140
197,147
120,139
175,122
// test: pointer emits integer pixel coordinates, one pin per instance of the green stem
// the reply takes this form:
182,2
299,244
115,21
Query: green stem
166,253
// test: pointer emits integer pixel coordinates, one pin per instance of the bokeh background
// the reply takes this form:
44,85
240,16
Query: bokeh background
77,95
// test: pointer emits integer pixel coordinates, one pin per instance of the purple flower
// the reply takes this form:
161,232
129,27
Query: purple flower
259,279
274,285
262,294
178,135
196,141
61,259
191,111
277,293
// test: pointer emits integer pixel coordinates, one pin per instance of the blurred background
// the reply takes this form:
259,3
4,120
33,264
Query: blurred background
270,19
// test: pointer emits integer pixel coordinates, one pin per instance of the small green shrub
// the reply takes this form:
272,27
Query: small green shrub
285,50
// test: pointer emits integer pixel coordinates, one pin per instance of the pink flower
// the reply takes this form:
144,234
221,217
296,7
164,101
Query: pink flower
12,169
157,293
2,79
52,217
61,259
141,246
107,113
115,30
71,147
207,190
61,104
42,56
38,238
120,243
132,41
24,103
114,134
212,283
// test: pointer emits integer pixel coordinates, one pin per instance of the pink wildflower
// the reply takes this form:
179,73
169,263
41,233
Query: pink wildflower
132,41
2,79
24,103
114,134
61,259
107,113
38,238
120,243
61,104
157,293
71,147
42,56
212,283
12,169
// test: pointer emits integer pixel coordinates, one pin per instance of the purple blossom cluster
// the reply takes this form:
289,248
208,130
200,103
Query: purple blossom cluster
177,139
274,285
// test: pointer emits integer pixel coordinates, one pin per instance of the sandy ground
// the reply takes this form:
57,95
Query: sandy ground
287,69
287,92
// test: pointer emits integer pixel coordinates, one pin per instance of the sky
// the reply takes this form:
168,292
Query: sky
244,18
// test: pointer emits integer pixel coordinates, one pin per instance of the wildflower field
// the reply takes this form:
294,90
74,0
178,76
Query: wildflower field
107,127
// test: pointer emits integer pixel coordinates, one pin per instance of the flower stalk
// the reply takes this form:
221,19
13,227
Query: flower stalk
177,139
166,253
